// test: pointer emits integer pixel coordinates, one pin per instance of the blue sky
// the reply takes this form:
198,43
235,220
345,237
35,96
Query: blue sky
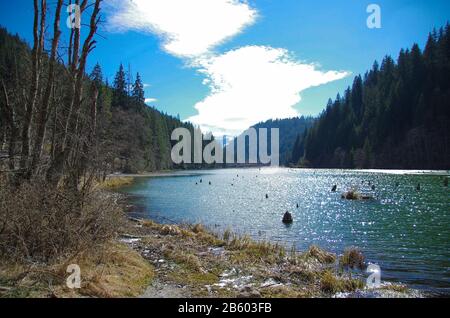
225,64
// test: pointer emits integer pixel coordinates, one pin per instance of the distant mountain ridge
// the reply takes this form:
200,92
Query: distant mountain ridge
289,130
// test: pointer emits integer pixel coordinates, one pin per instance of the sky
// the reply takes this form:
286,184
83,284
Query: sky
228,64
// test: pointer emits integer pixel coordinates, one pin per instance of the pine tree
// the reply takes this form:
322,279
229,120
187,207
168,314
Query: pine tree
138,93
120,89
97,75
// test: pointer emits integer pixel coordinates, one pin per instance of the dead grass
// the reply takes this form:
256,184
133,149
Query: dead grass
353,258
282,292
320,255
112,271
246,250
116,182
40,223
117,272
396,288
184,258
330,283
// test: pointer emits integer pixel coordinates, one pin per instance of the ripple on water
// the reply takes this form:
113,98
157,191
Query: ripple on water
404,230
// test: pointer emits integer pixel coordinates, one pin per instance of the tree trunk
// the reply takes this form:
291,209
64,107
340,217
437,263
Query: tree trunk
31,101
10,118
68,150
42,115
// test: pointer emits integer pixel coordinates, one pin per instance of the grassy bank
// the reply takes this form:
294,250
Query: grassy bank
115,182
113,270
45,229
191,261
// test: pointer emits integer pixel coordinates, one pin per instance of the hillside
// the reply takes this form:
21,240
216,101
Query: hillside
396,116
289,131
132,136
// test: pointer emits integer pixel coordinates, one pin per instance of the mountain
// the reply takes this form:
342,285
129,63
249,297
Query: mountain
396,116
290,129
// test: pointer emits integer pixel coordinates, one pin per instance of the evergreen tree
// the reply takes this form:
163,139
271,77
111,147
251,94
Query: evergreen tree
138,93
120,89
96,77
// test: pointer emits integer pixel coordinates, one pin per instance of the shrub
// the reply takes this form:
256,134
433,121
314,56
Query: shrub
42,223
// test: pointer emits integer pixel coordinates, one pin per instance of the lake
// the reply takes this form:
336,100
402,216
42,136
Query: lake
405,231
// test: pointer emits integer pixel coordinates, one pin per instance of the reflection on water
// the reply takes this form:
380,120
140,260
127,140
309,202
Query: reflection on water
403,230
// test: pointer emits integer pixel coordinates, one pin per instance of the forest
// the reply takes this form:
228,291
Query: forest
131,136
396,116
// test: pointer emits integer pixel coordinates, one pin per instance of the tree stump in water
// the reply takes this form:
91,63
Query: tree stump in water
287,218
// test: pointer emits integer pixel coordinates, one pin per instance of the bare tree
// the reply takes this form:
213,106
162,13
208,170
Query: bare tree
11,121
42,113
69,151
38,47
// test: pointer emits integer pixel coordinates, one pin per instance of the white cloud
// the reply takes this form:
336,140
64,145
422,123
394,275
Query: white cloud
252,84
188,28
150,100
248,84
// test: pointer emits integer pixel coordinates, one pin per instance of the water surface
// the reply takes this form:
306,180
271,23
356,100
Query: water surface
405,231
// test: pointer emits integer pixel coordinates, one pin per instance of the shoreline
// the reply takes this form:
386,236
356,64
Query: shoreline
192,262
317,273
187,173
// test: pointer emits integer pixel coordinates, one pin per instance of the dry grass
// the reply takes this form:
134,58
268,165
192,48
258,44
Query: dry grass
396,288
320,255
117,272
112,183
330,283
114,270
353,258
44,229
43,224
247,251
184,258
